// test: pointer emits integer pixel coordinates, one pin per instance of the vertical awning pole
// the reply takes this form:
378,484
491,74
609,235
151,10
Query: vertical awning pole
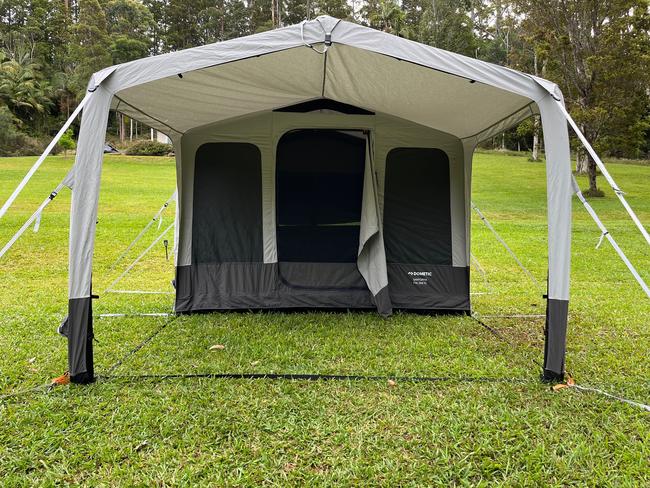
603,170
40,160
611,240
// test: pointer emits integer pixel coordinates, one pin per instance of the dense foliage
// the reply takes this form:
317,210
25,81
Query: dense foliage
597,51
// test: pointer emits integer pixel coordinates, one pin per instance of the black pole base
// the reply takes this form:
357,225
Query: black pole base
83,378
552,377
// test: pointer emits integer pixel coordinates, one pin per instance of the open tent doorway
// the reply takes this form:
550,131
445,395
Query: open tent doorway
319,192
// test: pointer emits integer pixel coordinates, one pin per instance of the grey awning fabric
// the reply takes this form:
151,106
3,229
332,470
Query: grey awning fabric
273,69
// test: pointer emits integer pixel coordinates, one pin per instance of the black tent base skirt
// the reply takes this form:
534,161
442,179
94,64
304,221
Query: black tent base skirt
317,286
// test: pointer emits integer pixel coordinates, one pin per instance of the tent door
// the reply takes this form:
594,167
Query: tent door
319,190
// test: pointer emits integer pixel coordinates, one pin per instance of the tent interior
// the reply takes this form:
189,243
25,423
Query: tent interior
275,211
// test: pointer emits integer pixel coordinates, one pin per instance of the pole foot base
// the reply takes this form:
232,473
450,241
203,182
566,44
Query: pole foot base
552,377
83,378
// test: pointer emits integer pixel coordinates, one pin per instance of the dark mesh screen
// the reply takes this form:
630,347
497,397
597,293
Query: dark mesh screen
417,214
319,189
227,215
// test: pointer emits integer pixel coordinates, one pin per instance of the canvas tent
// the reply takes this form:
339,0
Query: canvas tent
321,165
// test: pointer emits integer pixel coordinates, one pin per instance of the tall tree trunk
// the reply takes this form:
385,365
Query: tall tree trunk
591,172
586,165
273,10
535,138
536,121
122,129
582,158
582,162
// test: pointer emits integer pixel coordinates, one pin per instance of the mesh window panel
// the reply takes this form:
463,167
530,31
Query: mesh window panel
319,190
227,218
417,214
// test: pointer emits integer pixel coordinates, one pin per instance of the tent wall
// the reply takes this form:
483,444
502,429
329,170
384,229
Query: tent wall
276,283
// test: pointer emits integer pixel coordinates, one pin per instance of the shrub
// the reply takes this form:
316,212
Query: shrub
149,148
10,137
67,142
13,142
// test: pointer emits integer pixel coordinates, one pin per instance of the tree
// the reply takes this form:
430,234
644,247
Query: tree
186,23
599,54
130,27
89,50
441,23
158,10
385,15
22,88
66,142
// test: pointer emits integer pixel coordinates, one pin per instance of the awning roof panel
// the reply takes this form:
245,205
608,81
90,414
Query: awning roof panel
363,67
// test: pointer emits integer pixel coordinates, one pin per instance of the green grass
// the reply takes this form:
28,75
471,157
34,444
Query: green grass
262,432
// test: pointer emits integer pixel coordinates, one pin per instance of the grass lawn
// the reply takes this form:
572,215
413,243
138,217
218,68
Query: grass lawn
235,432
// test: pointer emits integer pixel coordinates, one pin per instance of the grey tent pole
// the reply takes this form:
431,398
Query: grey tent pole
130,267
503,243
603,170
143,231
31,219
40,160
609,237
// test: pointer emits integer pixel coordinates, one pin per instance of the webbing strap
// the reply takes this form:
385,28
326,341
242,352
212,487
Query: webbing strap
316,377
31,219
327,41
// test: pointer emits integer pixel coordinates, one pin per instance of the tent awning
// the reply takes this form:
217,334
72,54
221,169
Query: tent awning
180,91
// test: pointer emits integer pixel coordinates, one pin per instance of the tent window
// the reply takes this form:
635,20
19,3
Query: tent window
319,191
417,213
227,214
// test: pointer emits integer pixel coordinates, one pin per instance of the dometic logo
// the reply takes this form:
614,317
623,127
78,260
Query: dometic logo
419,277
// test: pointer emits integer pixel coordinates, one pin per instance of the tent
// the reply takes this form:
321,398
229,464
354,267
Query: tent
321,165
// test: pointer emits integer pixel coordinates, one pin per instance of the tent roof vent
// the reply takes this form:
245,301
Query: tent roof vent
325,104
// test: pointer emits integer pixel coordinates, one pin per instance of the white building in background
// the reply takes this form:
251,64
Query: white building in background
156,135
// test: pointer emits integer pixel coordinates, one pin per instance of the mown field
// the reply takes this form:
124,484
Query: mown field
512,431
